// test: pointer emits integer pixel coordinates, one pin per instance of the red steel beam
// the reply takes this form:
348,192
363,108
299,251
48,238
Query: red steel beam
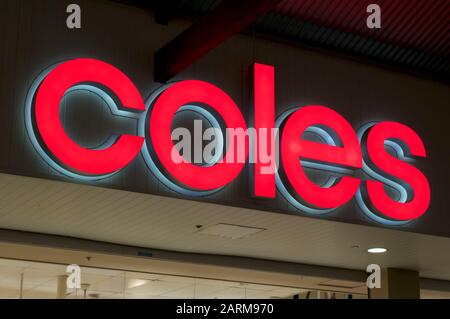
230,17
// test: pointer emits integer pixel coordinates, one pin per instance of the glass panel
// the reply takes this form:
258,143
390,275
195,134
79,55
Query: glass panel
33,280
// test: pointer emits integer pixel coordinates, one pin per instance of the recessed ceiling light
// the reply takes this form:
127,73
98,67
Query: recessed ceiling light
377,250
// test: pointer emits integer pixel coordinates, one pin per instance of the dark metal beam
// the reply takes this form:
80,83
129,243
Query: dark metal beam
230,17
143,4
164,10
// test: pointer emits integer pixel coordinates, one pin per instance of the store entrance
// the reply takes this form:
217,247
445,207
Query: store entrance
31,271
38,280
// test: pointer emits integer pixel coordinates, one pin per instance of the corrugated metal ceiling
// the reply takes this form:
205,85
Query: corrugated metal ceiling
413,23
414,36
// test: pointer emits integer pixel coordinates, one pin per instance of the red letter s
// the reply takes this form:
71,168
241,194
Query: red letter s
383,166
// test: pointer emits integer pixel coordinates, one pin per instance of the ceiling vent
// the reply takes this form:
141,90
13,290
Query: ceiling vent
341,284
230,231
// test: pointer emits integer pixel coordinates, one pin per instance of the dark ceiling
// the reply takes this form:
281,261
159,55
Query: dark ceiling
414,35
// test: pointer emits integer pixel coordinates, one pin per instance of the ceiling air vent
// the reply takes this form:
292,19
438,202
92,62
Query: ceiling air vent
341,284
230,231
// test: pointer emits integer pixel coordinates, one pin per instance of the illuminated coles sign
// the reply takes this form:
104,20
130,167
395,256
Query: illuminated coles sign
372,165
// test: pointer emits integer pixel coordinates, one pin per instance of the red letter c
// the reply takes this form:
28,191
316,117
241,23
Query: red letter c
68,154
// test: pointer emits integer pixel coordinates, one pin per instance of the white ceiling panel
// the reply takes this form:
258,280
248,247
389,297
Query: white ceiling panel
114,216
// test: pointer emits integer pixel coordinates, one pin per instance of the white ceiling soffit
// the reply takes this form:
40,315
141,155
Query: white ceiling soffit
143,220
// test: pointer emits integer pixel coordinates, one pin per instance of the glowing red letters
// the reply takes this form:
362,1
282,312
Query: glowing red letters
367,153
